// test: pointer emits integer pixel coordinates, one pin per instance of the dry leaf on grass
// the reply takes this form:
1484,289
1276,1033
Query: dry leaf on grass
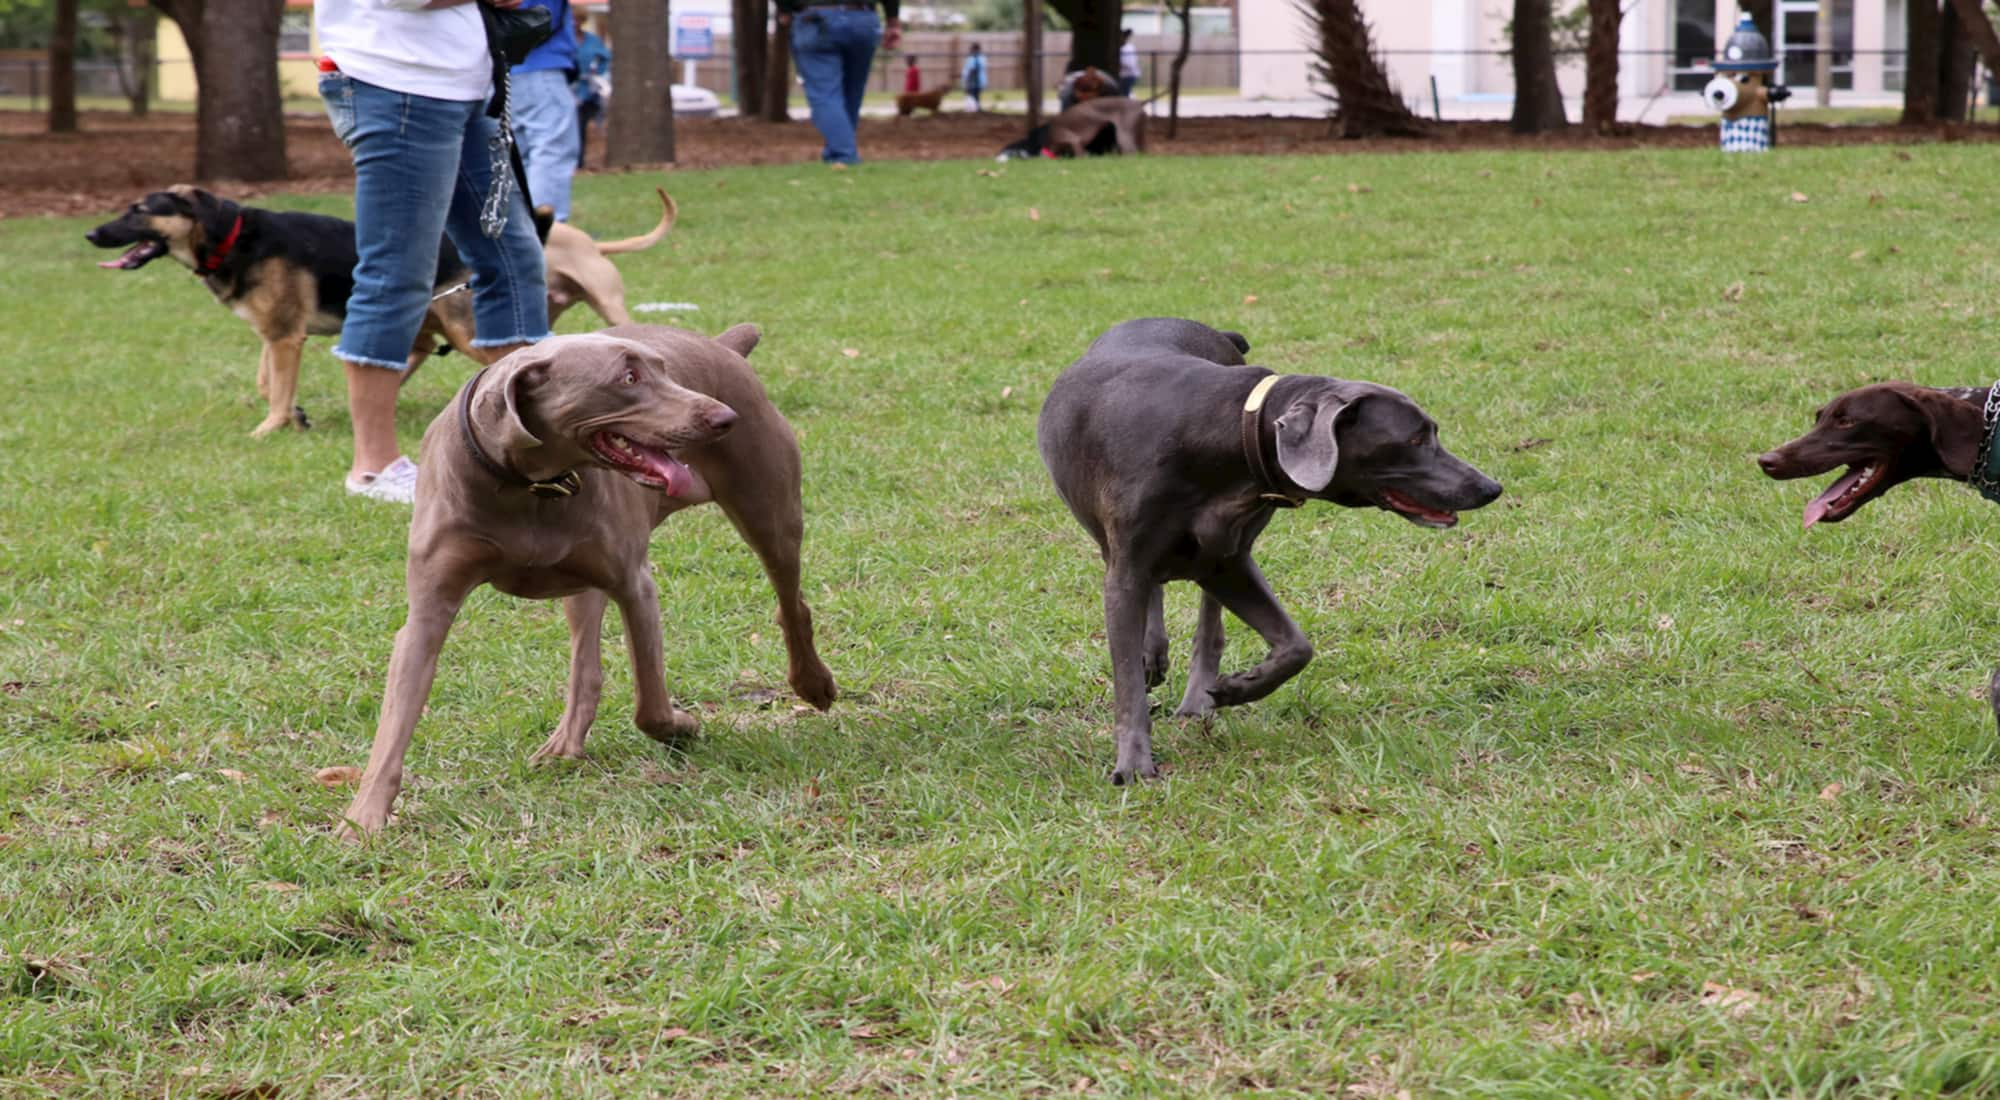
1800,196
1249,299
1034,215
1830,792
231,773
1006,392
343,775
1733,292
1644,976
851,353
674,1033
279,887
1732,1002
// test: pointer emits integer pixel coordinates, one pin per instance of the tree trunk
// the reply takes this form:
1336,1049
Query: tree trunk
751,49
62,69
778,77
138,38
1094,31
1921,67
1344,57
239,114
641,119
1972,16
1538,105
1957,58
1186,14
1600,81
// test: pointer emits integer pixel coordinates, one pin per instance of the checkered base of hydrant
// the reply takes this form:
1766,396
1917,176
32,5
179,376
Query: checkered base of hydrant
1746,135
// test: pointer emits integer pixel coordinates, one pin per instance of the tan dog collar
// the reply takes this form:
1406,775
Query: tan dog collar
1277,492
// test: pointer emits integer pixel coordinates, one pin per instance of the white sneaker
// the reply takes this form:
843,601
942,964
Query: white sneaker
396,484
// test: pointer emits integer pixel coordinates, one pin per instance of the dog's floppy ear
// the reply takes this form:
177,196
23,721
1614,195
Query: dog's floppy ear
740,339
1308,446
497,410
1955,427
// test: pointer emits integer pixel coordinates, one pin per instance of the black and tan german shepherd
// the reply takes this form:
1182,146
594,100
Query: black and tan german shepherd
290,274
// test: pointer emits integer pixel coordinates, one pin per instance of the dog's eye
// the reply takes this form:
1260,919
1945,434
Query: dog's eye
631,377
1843,421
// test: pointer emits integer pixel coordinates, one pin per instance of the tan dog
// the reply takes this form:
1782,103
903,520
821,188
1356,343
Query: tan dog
289,275
545,479
932,100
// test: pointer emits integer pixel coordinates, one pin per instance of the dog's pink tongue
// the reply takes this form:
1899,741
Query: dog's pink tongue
1819,506
124,260
669,470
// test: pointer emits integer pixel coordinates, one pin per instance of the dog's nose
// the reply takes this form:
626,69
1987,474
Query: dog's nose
91,236
720,418
1489,492
1769,461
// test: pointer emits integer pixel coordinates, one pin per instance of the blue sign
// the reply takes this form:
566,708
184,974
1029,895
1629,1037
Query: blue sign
694,37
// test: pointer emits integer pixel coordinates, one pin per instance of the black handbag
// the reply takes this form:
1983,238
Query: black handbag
514,34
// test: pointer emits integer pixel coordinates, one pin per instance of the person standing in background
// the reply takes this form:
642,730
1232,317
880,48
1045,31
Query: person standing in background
974,76
1128,64
544,111
913,77
833,46
593,72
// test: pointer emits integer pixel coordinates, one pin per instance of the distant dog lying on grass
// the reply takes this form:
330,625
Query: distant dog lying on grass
289,275
1886,434
931,99
1095,127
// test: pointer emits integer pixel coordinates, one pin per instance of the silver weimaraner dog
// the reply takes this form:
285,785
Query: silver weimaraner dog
1174,455
545,479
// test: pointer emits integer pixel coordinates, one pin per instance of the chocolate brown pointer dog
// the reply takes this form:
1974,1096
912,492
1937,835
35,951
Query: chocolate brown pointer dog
545,479
1174,455
1886,434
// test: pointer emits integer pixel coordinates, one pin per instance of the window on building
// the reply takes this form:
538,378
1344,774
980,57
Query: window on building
1694,43
1798,42
295,32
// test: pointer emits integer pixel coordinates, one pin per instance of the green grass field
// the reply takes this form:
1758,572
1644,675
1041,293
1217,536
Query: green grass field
1625,787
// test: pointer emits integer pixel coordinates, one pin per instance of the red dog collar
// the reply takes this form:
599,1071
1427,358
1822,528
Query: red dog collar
216,257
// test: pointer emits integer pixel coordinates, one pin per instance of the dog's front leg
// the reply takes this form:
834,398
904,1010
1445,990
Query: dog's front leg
775,532
1126,599
1208,639
411,669
1156,638
1240,587
284,354
585,612
656,715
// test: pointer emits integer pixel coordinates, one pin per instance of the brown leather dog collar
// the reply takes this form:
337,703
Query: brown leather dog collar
1277,491
562,485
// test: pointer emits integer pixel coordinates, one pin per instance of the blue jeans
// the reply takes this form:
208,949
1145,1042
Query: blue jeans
545,126
421,171
832,49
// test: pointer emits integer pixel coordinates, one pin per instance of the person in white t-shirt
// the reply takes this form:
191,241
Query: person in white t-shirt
406,85
1128,64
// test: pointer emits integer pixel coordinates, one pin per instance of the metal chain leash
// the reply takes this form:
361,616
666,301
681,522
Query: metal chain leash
499,147
1983,476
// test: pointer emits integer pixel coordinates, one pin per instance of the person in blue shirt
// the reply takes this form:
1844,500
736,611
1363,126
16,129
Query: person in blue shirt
593,72
974,76
544,111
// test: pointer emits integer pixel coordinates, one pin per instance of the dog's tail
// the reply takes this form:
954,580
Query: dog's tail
1237,338
669,210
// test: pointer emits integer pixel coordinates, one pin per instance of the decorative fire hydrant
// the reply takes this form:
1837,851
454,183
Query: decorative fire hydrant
1739,91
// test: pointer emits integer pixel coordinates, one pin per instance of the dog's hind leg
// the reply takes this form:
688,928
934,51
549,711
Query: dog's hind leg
656,715
1239,586
284,354
775,531
1993,693
1156,638
1126,597
585,612
1208,639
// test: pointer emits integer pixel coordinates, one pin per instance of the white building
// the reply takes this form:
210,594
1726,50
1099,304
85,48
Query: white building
1662,43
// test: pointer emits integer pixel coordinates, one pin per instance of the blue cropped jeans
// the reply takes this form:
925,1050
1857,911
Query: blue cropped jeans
421,171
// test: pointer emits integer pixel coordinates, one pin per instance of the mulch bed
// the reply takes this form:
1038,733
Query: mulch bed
117,158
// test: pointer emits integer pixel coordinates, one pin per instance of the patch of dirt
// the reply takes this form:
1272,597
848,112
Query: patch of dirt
117,158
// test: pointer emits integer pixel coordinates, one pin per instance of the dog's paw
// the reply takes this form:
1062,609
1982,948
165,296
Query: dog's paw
676,729
1125,776
1155,665
1200,707
559,746
815,685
